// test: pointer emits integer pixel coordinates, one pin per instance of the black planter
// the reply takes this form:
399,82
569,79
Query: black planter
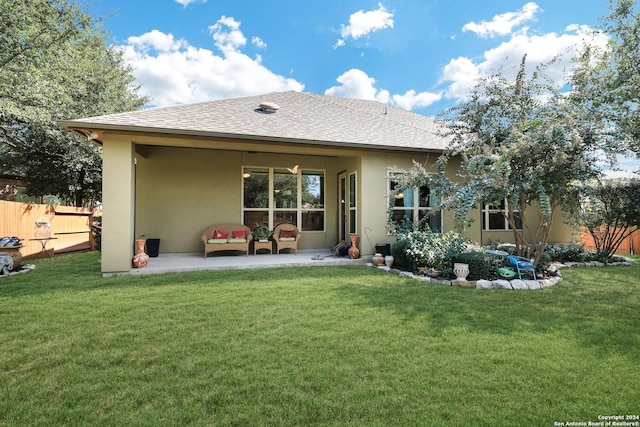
383,249
153,247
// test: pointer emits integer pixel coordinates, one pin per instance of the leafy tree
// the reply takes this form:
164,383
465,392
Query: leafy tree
622,78
611,212
522,141
54,65
607,81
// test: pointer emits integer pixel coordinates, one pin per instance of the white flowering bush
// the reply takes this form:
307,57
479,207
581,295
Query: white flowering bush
424,248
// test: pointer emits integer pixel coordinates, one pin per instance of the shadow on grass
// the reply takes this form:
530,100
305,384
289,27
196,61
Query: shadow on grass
80,272
599,307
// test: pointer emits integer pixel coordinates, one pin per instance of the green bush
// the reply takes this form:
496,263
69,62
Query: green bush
479,264
572,252
424,248
399,250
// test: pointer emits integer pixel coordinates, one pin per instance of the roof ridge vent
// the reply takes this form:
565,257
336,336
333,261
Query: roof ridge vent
268,107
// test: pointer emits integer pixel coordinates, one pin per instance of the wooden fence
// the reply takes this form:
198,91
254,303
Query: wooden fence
70,227
630,245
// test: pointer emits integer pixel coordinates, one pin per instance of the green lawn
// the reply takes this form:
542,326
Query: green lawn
313,346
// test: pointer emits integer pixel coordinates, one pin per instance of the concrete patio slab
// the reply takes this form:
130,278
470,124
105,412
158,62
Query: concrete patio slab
184,262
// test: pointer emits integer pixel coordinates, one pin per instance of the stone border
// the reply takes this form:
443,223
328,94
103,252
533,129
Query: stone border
516,284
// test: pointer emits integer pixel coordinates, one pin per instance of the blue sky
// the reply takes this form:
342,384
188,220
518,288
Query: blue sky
420,55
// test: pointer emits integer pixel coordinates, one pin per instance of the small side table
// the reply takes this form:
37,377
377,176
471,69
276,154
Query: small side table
257,245
43,242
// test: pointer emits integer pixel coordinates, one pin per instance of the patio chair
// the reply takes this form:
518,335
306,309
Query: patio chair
521,264
286,236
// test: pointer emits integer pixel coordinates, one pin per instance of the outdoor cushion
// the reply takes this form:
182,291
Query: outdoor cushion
220,234
239,234
236,240
287,233
287,239
217,241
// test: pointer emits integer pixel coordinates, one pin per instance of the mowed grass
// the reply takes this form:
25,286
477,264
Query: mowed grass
313,346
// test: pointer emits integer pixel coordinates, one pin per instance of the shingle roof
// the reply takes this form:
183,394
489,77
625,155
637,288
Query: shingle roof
302,117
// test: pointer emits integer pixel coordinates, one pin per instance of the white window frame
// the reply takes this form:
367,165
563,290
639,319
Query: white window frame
352,196
490,208
271,209
416,209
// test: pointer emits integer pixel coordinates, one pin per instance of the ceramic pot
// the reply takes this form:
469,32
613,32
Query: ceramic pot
388,260
377,259
140,259
354,252
461,270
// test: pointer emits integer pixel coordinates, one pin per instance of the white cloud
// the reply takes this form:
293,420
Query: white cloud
258,42
357,84
186,3
156,40
173,72
227,35
363,23
411,99
461,73
503,24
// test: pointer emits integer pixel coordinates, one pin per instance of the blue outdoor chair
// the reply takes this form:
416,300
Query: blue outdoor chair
521,264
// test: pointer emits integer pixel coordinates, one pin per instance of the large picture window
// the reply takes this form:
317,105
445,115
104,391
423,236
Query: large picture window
494,220
274,196
416,205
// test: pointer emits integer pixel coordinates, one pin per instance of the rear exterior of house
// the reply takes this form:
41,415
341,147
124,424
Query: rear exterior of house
320,162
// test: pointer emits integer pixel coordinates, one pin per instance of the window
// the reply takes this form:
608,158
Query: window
272,196
494,220
415,205
312,200
256,197
353,213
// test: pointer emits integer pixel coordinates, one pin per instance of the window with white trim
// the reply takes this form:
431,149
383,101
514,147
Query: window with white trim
416,205
272,196
353,212
494,220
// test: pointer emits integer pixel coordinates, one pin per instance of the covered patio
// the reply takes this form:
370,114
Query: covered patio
185,262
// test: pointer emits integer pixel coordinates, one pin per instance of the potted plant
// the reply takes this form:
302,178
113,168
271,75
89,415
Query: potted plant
262,233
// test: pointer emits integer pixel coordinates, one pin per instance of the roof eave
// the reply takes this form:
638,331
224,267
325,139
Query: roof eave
83,129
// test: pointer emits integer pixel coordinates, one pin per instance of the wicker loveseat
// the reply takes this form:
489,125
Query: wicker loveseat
286,236
226,237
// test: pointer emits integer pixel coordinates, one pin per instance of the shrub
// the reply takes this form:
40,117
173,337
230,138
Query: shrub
572,252
424,248
479,265
399,250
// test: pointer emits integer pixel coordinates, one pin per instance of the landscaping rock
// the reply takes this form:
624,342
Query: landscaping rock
533,285
555,277
501,284
519,284
463,283
483,284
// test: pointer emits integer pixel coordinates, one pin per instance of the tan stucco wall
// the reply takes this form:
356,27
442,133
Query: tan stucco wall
118,205
181,191
178,187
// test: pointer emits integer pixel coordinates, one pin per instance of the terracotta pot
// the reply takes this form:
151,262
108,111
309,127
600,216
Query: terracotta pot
354,252
140,259
377,259
13,252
